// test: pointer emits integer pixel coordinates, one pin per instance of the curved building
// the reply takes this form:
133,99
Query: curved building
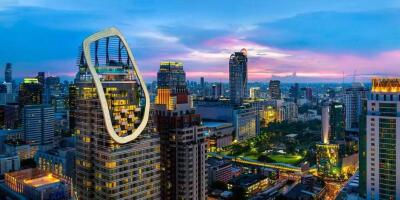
118,154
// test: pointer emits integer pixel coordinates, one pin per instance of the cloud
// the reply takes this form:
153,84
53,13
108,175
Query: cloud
353,32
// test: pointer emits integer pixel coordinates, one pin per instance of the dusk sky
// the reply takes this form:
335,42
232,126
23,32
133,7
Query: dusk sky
316,39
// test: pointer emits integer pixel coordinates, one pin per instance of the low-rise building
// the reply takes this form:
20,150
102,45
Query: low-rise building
9,163
219,170
249,183
220,134
37,185
60,161
246,120
21,148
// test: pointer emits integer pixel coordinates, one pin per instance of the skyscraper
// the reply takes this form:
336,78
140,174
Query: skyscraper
172,76
30,92
275,89
183,142
294,92
352,100
118,153
8,73
383,139
238,77
52,89
336,121
38,124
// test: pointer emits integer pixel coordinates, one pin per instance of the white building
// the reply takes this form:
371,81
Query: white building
288,111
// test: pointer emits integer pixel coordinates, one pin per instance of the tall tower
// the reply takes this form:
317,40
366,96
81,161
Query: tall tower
352,100
118,154
238,77
30,92
183,144
325,124
383,139
275,89
8,73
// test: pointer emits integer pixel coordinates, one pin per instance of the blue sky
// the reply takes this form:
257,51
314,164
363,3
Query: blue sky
316,39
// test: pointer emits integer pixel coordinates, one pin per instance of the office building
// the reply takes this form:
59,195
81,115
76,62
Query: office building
8,73
183,140
117,150
382,136
220,134
352,102
275,89
294,92
11,116
246,120
288,111
30,92
336,122
255,92
52,89
238,77
38,122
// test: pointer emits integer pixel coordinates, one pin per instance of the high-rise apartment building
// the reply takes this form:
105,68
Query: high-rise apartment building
274,89
383,139
30,92
183,141
117,150
238,77
8,73
352,101
38,125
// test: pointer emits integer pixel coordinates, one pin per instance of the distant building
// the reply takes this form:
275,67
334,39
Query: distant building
288,111
52,89
38,122
220,134
215,110
352,102
21,148
270,114
238,77
254,92
308,94
9,163
246,120
30,92
8,73
217,90
12,118
275,89
294,92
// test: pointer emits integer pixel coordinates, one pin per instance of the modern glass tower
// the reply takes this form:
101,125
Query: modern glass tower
383,139
238,77
118,153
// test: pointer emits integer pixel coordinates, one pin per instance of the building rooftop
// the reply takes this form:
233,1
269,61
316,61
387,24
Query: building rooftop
215,124
245,180
41,181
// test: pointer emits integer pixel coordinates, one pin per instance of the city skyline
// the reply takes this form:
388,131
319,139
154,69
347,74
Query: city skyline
317,40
